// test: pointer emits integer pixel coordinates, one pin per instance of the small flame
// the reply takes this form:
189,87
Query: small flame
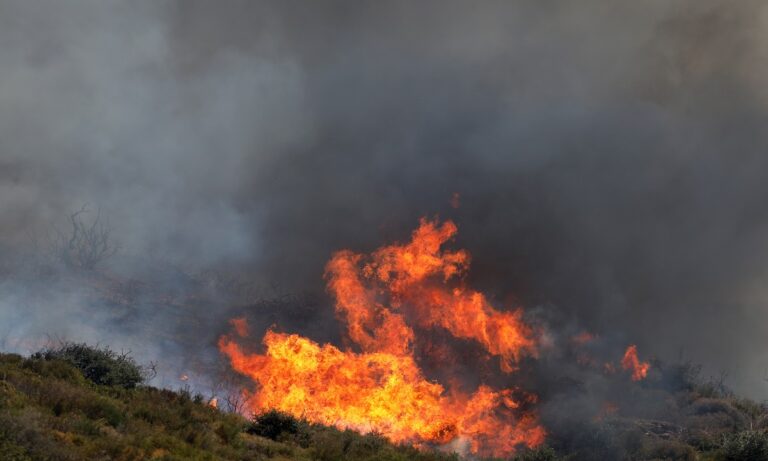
213,403
584,337
632,363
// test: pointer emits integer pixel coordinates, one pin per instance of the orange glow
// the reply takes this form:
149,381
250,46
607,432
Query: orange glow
584,337
631,363
455,200
240,326
608,409
385,299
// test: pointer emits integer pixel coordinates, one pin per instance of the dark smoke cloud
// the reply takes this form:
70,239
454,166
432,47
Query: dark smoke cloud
610,157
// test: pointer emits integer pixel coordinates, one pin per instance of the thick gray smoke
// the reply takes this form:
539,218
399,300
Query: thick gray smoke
610,157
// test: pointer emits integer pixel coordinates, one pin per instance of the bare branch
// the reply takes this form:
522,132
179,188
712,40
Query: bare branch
88,243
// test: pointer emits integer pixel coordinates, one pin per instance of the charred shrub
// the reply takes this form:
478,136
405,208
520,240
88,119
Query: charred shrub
669,450
706,413
588,441
100,365
273,424
745,446
537,454
704,439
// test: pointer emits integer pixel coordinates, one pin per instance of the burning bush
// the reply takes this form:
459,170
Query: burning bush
100,365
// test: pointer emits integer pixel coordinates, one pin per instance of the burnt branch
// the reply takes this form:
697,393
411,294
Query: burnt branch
87,244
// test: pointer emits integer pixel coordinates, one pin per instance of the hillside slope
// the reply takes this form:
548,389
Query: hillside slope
85,404
50,411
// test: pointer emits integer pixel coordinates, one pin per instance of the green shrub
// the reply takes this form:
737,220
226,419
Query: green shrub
745,446
365,446
106,409
100,365
9,398
11,359
54,368
9,451
328,445
229,429
272,424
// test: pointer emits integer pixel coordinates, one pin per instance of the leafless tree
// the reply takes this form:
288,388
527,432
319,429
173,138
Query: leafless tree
149,371
235,403
87,244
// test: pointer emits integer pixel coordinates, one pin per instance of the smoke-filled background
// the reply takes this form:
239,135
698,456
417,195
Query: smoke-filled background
609,157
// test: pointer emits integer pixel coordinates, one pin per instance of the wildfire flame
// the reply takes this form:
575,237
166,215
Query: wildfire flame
386,299
406,274
632,363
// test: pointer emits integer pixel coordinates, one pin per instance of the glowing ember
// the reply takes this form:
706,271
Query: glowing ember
385,299
455,200
584,337
608,409
240,326
631,363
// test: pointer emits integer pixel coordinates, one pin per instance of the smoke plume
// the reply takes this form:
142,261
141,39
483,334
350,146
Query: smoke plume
609,159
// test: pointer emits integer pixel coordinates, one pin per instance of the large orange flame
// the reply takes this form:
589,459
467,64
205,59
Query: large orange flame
385,299
406,273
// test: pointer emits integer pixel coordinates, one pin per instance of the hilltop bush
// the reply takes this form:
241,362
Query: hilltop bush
100,365
273,424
